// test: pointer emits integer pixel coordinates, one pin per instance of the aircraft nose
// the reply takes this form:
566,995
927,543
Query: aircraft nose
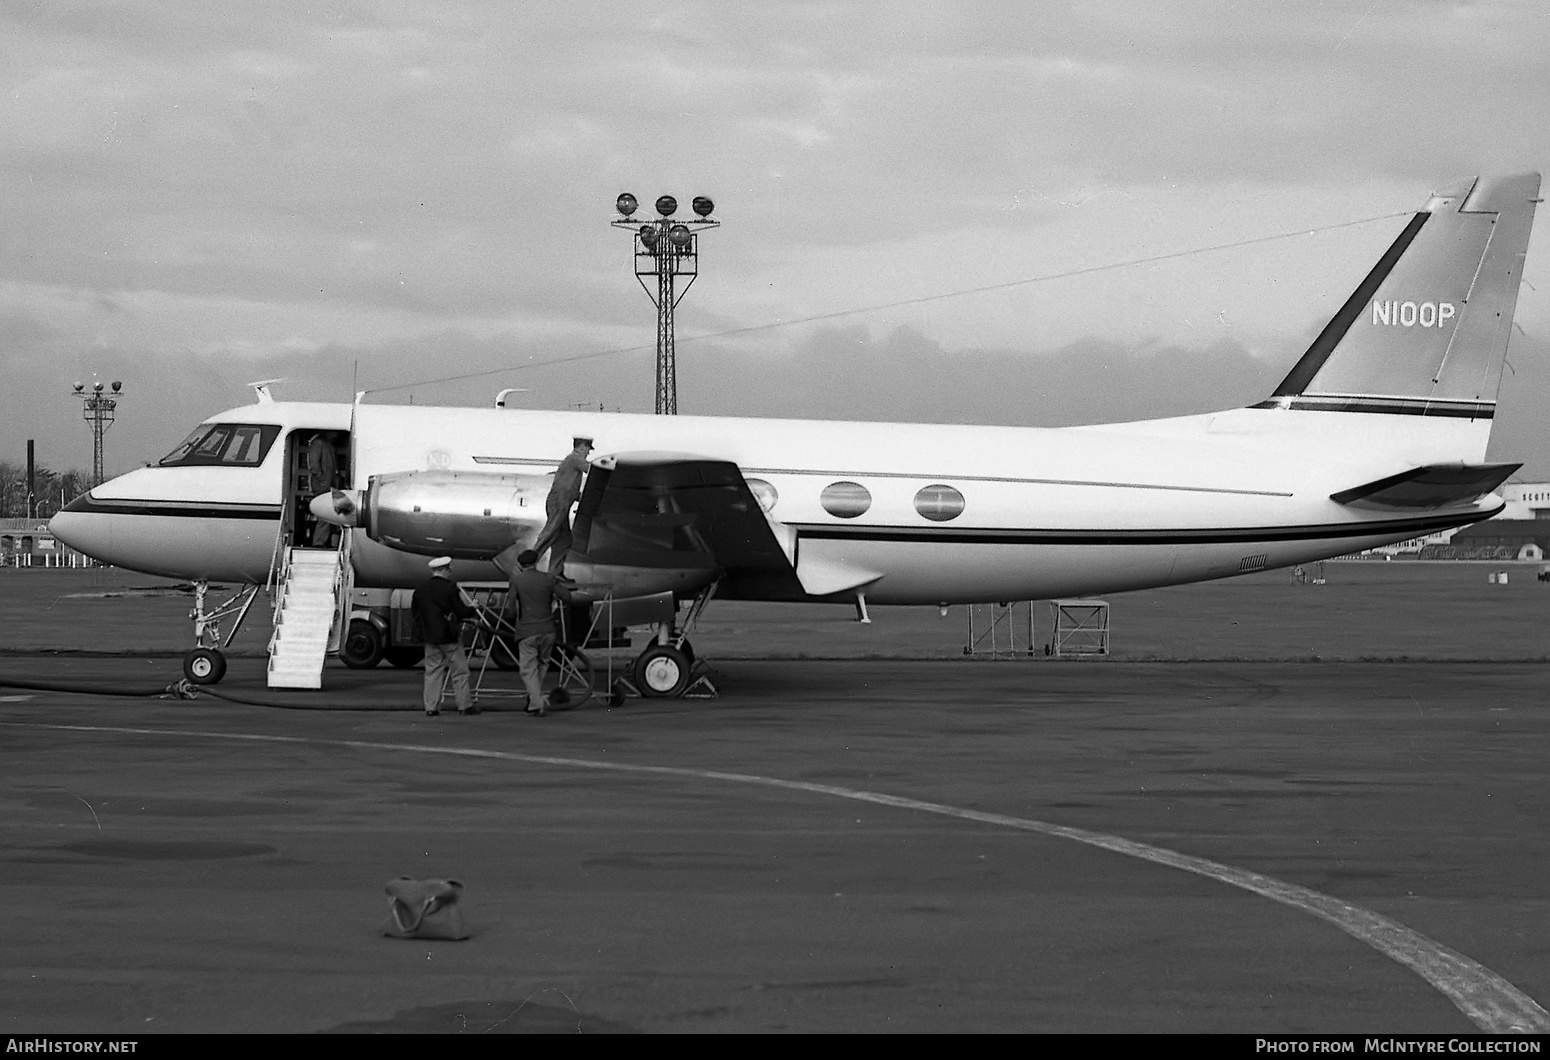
339,507
77,530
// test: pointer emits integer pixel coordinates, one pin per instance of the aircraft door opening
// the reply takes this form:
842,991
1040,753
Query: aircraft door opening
316,461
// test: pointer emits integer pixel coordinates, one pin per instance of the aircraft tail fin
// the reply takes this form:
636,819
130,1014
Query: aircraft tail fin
1425,334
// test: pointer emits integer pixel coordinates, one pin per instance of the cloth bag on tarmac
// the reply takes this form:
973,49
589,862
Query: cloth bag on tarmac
424,909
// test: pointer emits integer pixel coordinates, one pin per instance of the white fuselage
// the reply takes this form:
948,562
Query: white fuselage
1044,512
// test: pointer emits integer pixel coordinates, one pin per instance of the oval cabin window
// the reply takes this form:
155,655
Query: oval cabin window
939,503
845,500
763,492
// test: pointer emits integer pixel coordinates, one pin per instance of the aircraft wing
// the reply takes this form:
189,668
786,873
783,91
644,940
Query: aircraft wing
663,509
1434,486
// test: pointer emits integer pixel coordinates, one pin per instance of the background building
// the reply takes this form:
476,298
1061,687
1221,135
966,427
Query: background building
28,543
1520,532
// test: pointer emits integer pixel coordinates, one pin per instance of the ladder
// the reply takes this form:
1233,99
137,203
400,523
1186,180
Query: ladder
306,617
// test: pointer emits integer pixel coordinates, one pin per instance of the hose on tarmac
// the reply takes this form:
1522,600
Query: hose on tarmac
179,689
182,689
81,688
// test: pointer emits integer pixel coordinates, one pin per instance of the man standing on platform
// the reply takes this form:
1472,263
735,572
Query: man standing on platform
565,492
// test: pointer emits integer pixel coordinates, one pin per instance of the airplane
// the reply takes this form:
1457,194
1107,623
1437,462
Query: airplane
1377,434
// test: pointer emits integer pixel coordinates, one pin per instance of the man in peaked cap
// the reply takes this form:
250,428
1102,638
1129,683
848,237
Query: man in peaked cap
441,611
565,492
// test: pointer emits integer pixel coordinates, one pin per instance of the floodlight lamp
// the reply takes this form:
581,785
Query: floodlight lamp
703,206
97,387
679,234
79,386
626,204
648,235
667,206
117,386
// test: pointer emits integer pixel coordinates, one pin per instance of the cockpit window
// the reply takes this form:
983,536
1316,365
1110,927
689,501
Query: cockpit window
210,446
246,447
228,444
186,445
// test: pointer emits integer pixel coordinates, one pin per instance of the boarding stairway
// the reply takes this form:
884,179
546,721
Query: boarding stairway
307,623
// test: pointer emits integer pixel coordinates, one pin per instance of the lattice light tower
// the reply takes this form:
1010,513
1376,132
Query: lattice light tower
666,249
97,410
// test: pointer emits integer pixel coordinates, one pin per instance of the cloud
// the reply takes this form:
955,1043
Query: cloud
849,372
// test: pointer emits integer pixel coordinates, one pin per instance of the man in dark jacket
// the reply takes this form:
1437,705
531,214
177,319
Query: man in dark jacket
530,600
564,492
322,473
441,610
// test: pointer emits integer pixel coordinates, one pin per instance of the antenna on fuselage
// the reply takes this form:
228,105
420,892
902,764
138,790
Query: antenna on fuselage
261,387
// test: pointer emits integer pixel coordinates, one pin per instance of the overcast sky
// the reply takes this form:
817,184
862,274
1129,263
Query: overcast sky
362,195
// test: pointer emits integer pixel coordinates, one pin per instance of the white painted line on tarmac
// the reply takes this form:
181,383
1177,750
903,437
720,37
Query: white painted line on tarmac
1489,1001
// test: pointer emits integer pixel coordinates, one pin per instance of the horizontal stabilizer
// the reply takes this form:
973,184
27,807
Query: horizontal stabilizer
1435,486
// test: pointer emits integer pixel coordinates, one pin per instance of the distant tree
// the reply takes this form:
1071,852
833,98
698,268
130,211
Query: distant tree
12,483
53,489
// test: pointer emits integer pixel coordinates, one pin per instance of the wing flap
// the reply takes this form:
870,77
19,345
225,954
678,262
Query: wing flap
1433,486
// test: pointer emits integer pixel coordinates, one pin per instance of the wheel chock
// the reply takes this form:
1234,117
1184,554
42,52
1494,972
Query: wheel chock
700,684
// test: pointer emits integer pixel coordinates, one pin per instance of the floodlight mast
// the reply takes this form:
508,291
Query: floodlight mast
666,249
97,410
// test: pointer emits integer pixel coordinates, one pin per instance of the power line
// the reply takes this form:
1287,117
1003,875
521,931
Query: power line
839,314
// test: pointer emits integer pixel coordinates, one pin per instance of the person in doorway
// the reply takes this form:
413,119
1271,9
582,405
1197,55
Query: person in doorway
529,607
322,471
565,492
440,609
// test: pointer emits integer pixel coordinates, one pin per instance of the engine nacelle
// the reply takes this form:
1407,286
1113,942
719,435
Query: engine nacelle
462,514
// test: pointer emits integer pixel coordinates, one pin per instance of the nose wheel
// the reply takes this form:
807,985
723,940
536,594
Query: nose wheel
204,666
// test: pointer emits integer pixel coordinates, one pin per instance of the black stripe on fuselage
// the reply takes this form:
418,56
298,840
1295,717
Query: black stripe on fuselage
1204,536
1473,410
88,505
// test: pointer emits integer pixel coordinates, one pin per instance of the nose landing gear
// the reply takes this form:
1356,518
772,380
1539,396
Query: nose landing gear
205,665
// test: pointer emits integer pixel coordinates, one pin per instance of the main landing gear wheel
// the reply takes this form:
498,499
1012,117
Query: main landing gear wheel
363,645
662,671
204,666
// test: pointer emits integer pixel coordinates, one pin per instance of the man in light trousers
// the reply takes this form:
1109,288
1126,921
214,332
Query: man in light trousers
441,610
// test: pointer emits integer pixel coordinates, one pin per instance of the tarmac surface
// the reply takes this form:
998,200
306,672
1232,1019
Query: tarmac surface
842,844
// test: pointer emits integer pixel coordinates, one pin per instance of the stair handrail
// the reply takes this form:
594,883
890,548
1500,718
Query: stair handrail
344,583
276,554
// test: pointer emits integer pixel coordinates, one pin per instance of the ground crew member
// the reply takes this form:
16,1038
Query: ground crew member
441,611
565,492
530,608
322,470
